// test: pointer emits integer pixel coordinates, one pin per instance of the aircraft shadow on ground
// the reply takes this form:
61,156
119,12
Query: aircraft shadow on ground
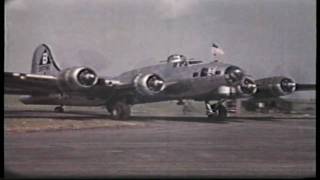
86,115
67,115
89,115
205,119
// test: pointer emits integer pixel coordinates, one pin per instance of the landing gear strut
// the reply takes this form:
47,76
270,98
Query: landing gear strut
119,110
216,111
59,109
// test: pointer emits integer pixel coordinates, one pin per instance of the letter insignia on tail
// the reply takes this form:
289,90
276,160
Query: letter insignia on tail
43,62
45,58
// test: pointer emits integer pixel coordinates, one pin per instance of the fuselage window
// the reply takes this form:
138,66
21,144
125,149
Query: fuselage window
204,72
195,74
211,71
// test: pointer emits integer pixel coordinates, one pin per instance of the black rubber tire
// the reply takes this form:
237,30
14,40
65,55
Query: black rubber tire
120,111
59,109
221,112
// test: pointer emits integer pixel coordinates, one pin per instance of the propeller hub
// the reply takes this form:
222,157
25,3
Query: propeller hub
155,83
288,85
233,74
248,86
87,77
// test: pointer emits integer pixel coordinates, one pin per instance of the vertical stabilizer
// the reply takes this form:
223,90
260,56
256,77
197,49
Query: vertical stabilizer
43,62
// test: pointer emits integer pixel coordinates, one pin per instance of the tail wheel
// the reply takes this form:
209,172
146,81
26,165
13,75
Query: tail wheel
59,109
120,110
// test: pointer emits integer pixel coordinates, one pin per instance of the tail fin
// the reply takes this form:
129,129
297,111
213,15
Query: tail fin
43,62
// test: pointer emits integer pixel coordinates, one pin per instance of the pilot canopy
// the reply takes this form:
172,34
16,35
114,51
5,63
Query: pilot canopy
177,60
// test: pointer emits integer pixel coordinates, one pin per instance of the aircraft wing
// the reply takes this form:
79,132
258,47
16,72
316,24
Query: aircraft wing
28,84
279,86
22,83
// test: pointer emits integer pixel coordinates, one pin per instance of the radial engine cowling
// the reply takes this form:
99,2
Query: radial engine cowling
77,78
149,84
275,86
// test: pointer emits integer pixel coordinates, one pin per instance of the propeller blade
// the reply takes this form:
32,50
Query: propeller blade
305,87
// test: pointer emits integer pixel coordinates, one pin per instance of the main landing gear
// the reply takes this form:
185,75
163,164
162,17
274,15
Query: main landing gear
59,109
216,111
119,110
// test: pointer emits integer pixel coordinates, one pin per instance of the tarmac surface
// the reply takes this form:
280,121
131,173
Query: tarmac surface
184,146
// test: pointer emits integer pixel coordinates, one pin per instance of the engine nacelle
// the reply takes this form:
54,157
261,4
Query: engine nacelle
275,86
77,78
148,84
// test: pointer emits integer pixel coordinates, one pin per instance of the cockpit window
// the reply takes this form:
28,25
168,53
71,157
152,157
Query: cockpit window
177,60
180,64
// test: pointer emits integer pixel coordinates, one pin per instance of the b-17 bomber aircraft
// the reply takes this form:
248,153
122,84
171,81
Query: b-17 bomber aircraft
178,78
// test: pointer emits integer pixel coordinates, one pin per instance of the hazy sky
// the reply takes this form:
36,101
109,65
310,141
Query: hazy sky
264,37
